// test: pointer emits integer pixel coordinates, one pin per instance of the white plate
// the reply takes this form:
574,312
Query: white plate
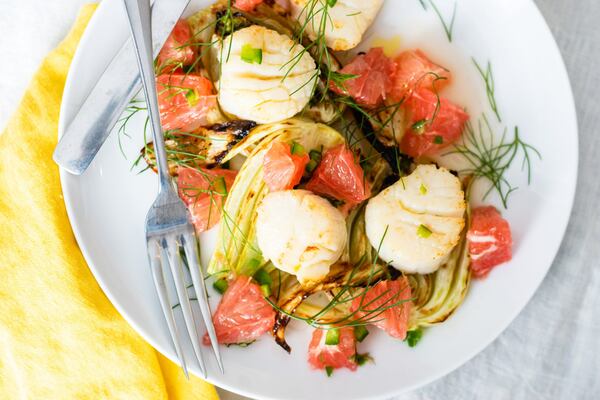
107,205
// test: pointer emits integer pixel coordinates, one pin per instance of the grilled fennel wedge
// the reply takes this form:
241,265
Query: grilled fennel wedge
206,147
436,296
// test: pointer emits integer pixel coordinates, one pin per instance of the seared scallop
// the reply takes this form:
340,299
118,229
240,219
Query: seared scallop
265,76
301,233
346,20
416,222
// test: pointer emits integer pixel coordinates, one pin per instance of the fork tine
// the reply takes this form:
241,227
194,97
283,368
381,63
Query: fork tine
155,260
171,249
191,251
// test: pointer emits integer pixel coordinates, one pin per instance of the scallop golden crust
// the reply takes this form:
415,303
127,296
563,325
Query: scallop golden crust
276,83
416,222
301,233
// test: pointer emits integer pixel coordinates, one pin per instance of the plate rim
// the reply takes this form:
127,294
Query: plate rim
65,179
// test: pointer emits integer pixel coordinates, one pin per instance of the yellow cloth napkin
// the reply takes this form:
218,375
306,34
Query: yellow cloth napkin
60,338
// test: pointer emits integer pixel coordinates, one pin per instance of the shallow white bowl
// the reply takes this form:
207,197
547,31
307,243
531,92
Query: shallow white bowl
107,205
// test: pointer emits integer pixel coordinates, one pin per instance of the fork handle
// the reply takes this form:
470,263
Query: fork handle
138,14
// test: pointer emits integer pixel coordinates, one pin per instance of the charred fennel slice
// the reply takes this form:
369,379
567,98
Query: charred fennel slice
205,148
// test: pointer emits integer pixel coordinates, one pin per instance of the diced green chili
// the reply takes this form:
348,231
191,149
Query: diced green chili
219,186
315,155
251,54
315,159
263,278
311,166
220,285
266,290
360,332
419,126
413,337
424,231
297,149
192,97
253,264
361,359
332,337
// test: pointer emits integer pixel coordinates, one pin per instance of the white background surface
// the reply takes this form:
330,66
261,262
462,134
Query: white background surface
552,350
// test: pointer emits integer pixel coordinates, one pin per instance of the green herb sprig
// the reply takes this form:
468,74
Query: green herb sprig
314,14
134,107
488,78
448,26
491,160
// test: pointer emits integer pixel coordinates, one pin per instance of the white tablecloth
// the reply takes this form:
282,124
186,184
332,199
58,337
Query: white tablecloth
552,350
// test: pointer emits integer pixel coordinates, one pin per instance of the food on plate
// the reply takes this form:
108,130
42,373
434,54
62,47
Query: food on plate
369,76
284,165
332,349
300,233
345,20
416,222
434,123
265,76
323,173
340,176
178,51
390,124
490,240
247,5
206,147
414,70
185,101
204,192
243,315
392,300
418,118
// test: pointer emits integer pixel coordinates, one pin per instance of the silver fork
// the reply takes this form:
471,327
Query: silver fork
168,228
